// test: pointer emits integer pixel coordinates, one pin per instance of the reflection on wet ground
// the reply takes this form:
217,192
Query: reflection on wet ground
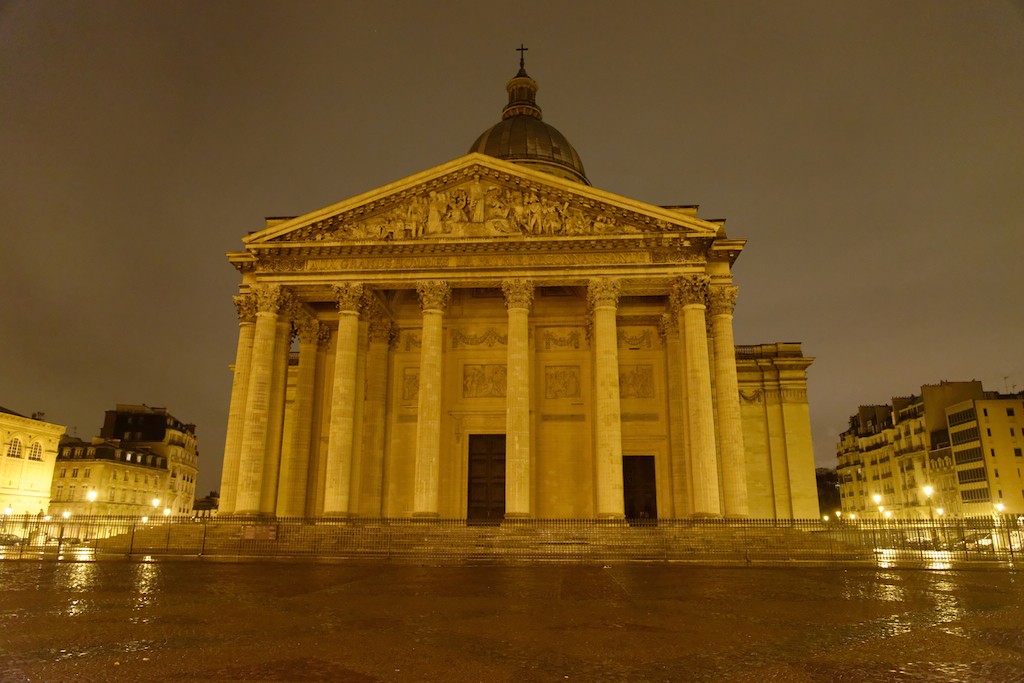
168,620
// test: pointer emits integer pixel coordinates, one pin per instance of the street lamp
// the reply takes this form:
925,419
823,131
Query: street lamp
156,502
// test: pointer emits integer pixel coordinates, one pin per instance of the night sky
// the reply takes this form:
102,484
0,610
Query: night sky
871,152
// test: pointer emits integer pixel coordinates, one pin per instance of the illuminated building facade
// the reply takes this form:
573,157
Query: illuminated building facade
953,450
496,338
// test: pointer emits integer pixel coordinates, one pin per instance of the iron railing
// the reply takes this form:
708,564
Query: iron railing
927,543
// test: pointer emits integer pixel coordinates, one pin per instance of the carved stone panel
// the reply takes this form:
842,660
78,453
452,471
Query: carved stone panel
636,381
410,384
483,381
561,339
562,381
637,337
462,338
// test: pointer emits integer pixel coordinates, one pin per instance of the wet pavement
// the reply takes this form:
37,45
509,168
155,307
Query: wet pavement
191,620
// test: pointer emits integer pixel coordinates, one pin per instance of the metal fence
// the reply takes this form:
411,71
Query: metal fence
935,544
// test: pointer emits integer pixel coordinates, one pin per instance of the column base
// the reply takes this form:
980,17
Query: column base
706,515
518,515
426,515
611,516
336,516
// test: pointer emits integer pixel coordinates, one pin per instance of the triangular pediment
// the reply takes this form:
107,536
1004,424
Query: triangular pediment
478,196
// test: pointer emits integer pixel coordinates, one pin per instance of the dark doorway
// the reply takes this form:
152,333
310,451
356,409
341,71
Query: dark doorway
640,494
486,500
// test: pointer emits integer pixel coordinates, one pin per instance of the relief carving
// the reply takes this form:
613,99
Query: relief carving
562,381
483,381
412,341
410,384
472,209
642,340
488,338
636,381
554,341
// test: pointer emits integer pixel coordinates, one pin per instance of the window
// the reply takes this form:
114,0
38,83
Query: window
988,432
993,452
14,449
984,411
36,452
110,494
1009,412
115,475
1011,432
71,493
60,492
74,472
1017,453
86,473
63,472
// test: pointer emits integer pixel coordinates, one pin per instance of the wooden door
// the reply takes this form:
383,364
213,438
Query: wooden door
486,499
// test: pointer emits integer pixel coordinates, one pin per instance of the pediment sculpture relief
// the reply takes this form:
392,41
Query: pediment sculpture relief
474,209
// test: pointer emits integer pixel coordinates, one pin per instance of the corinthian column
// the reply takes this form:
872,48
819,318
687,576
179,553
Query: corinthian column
603,297
275,415
681,494
257,403
722,300
291,495
434,298
518,299
381,332
337,487
246,305
689,294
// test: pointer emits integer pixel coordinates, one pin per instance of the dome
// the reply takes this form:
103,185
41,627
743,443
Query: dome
523,138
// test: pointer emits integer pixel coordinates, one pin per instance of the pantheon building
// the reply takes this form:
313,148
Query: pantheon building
496,338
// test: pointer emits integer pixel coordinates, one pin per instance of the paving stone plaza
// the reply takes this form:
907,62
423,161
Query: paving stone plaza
187,620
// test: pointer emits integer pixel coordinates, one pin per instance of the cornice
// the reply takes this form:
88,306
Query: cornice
478,167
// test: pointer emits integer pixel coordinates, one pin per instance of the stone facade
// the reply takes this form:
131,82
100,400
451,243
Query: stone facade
495,338
482,297
28,451
952,450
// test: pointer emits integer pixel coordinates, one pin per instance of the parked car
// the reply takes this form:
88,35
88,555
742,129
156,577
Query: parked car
10,539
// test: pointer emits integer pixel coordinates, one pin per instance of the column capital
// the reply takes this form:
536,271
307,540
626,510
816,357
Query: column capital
689,290
348,296
269,298
603,292
381,328
518,293
245,305
668,326
308,329
435,295
722,299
